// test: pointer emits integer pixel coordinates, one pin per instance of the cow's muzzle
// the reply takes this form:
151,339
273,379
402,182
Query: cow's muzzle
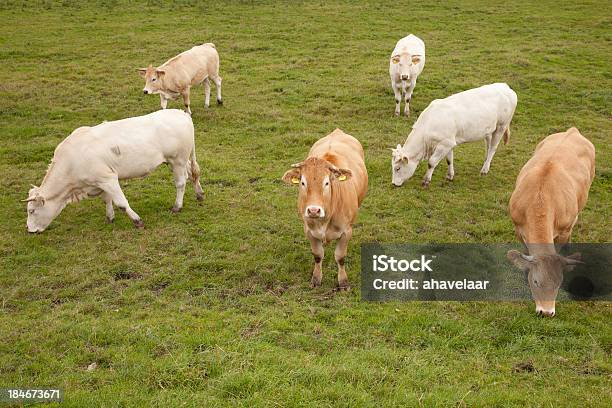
405,77
315,211
145,91
545,313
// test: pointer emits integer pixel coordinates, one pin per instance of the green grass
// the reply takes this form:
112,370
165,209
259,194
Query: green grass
212,307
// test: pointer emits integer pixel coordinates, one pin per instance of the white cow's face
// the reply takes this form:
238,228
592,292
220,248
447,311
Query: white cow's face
40,211
402,167
404,63
153,79
545,275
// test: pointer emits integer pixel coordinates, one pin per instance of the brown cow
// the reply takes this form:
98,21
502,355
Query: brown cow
177,75
333,181
551,190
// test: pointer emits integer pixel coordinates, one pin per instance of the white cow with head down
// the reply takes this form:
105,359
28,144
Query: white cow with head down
92,160
482,113
406,64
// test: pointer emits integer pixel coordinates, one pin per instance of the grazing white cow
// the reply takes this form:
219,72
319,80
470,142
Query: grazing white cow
177,75
92,160
551,190
476,114
405,66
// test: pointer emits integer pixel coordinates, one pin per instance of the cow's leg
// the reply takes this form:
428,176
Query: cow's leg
440,151
451,168
180,180
110,212
408,97
186,101
340,255
316,246
398,97
207,92
194,175
163,101
565,237
217,80
492,147
113,190
487,140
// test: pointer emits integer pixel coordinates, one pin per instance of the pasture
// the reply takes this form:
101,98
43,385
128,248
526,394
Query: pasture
212,306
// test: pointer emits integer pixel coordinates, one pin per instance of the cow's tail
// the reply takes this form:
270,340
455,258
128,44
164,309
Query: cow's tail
507,135
193,168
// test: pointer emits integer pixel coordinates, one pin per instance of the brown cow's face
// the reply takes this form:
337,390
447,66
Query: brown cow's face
545,275
316,179
153,78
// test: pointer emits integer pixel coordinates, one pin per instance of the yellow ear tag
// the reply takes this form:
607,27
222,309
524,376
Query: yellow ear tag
295,180
342,178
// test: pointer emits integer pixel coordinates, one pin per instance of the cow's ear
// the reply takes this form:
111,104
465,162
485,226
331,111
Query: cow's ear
395,59
292,176
416,59
521,261
142,71
342,174
160,72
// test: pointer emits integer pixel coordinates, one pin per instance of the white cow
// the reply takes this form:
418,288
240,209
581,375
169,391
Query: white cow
92,160
406,64
476,114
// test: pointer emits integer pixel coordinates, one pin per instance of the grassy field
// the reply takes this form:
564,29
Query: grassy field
212,306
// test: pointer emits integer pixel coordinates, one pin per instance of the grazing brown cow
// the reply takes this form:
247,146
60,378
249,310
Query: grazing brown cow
333,181
551,190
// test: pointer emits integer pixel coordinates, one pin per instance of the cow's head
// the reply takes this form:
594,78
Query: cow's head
40,210
405,62
402,166
545,275
316,179
153,79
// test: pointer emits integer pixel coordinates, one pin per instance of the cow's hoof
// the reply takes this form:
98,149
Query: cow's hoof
407,114
483,173
315,282
207,106
449,177
425,183
396,113
139,224
110,220
199,196
343,287
176,209
219,101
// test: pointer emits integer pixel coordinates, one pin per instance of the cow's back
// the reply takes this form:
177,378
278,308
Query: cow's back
192,66
469,114
411,44
554,182
130,147
344,151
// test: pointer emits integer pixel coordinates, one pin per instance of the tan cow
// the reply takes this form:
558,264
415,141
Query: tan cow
333,181
551,190
177,75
